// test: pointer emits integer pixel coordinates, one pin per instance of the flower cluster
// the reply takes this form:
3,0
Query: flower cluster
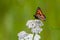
34,23
25,36
35,26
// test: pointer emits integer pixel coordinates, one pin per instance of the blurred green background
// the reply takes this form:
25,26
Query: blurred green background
15,13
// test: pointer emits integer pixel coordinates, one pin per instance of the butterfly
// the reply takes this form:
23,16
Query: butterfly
39,15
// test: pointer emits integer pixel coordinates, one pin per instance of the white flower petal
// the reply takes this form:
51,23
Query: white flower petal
37,37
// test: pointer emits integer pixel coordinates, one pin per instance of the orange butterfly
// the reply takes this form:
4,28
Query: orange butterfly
39,14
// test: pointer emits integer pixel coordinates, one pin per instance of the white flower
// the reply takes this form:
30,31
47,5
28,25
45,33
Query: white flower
22,34
34,23
25,36
29,37
37,37
36,30
39,23
31,24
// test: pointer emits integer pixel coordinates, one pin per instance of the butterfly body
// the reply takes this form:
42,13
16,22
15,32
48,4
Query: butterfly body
39,15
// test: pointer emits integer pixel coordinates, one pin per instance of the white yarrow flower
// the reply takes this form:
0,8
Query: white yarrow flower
22,34
37,37
39,23
29,37
34,23
31,24
36,30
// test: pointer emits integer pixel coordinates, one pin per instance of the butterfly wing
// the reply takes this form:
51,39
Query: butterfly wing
39,14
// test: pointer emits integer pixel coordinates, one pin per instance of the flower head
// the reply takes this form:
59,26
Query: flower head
34,23
25,36
22,34
29,37
37,37
39,23
36,30
31,24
